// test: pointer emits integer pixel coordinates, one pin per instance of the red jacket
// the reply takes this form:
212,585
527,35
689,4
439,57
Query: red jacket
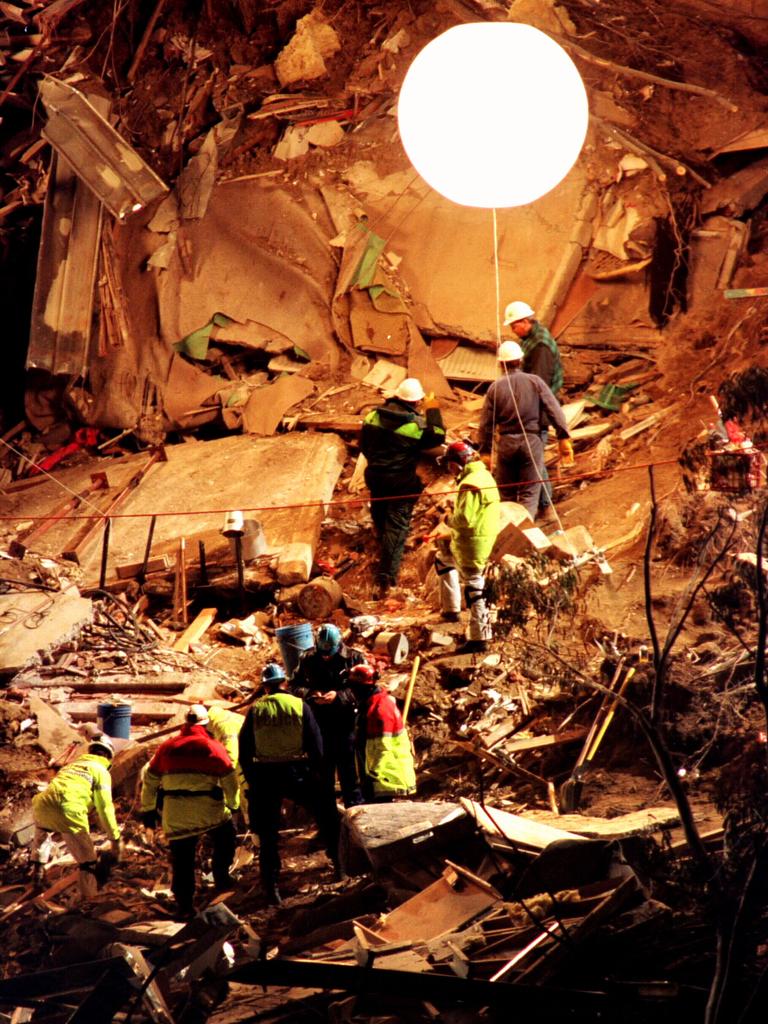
191,750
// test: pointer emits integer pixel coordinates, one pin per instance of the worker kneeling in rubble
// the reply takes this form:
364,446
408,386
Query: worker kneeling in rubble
383,746
192,781
281,752
461,558
63,807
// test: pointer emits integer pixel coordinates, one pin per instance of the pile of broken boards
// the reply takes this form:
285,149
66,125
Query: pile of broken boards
510,914
490,910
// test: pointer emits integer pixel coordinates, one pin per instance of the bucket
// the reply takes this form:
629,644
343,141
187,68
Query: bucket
253,541
115,720
293,640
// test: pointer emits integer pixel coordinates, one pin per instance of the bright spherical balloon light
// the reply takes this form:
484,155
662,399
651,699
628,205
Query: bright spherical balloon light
492,115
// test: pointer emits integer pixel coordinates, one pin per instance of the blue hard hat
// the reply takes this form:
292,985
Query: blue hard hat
328,638
273,673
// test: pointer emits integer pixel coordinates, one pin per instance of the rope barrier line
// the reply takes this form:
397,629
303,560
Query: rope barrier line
600,474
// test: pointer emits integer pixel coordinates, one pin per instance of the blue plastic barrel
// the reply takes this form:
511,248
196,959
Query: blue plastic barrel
115,720
293,640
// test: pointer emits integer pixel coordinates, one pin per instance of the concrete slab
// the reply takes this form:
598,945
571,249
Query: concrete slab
34,623
283,482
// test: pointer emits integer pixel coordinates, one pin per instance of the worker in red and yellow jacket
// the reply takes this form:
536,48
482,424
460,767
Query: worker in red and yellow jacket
383,745
192,782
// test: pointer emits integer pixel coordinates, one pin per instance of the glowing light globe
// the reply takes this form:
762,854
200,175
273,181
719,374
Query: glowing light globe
492,115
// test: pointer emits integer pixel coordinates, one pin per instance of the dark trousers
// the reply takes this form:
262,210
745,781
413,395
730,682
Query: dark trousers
518,472
545,498
339,750
392,522
271,783
183,862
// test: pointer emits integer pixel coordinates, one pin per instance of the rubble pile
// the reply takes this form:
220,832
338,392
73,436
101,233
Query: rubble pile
235,263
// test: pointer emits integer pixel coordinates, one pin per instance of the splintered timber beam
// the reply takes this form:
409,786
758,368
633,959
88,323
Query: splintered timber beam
548,1004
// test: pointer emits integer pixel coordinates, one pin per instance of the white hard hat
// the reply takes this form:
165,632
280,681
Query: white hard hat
509,352
410,390
197,715
515,311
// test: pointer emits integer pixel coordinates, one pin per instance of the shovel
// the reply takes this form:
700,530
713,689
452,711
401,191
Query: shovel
569,795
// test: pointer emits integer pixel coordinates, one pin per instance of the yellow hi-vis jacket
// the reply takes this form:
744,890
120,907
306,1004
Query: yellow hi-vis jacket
475,520
80,787
387,750
192,778
225,726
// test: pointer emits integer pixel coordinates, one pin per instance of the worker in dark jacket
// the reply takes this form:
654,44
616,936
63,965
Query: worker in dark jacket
193,783
322,679
542,357
513,408
393,437
281,753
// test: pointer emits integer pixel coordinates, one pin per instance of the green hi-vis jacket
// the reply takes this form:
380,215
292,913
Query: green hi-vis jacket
278,727
78,788
225,726
475,520
392,439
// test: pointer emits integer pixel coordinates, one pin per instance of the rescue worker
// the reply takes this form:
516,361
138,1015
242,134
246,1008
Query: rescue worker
322,679
281,753
474,525
542,357
64,806
225,726
192,783
393,437
513,407
383,746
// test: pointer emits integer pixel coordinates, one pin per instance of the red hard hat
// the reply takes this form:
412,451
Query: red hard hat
460,452
362,675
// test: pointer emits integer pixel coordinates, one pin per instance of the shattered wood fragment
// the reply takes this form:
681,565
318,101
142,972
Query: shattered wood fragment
196,630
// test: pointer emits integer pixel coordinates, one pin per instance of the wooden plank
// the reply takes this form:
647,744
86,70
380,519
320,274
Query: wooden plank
539,742
130,570
644,424
436,910
195,630
635,823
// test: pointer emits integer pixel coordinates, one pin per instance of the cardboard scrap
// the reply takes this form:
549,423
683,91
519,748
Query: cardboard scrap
266,407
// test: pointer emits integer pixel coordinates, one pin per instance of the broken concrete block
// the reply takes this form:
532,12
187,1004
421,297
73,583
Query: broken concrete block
512,518
571,543
326,134
295,563
517,536
303,59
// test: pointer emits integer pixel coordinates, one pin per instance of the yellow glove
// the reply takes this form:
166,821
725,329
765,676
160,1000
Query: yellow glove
430,402
565,448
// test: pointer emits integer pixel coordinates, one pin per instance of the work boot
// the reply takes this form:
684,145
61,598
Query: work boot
183,912
450,616
547,517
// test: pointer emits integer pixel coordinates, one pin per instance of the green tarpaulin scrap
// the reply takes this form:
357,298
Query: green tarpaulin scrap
195,345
